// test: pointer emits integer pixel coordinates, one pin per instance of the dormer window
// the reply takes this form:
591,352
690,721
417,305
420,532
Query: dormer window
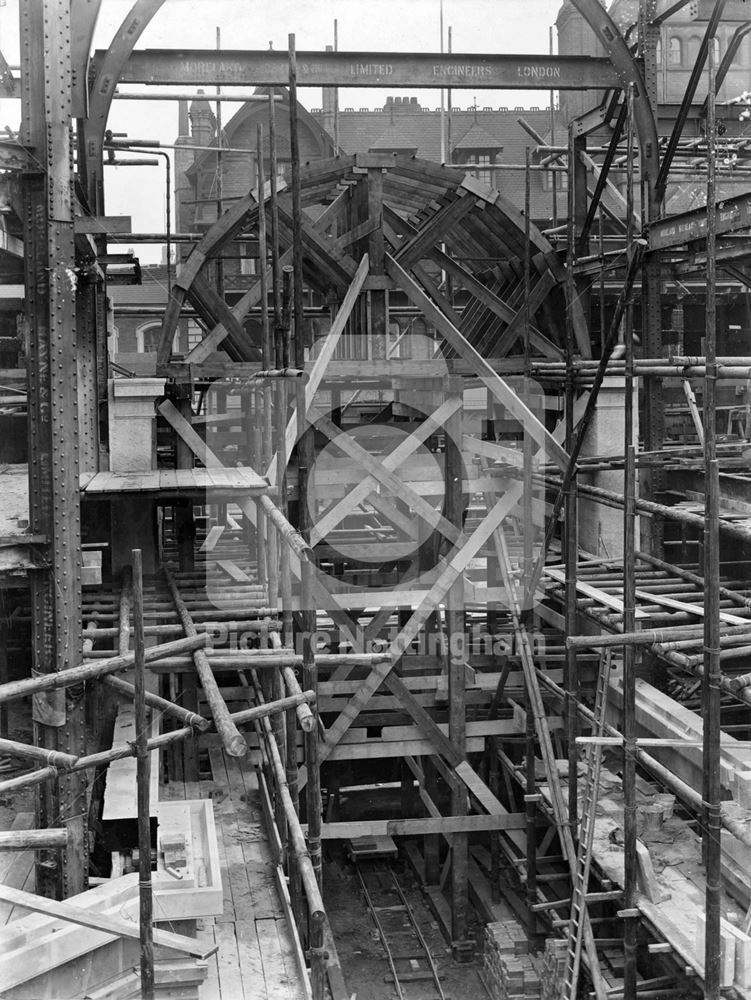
484,172
478,146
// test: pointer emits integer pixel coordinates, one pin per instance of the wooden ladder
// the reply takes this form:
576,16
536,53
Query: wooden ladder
586,834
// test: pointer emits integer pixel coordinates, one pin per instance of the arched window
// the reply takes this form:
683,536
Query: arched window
658,52
675,51
147,338
716,51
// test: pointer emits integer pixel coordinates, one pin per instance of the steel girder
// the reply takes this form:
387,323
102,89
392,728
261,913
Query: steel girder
367,69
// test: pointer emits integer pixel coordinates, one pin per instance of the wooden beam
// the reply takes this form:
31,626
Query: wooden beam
427,726
477,787
502,392
690,609
337,265
434,229
514,330
99,921
594,593
482,293
240,310
436,593
216,313
356,233
390,462
402,522
414,827
375,469
375,750
189,435
325,355
333,211
495,452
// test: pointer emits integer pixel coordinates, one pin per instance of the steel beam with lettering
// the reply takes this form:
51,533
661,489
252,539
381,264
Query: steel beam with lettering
367,69
732,214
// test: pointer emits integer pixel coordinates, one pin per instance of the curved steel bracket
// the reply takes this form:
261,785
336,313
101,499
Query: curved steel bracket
83,18
628,72
101,93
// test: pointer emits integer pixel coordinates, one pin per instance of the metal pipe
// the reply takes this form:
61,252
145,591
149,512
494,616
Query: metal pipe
164,706
630,924
264,400
143,773
571,514
233,740
711,682
88,671
34,840
316,910
122,95
161,742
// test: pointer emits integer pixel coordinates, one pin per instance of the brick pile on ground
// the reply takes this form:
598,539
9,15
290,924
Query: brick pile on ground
553,968
510,973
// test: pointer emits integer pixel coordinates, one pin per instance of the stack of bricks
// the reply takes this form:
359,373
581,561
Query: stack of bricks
510,973
553,968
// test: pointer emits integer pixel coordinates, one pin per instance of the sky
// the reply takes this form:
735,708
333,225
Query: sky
478,26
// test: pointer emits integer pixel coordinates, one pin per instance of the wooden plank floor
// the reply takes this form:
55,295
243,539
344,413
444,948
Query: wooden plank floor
17,870
256,955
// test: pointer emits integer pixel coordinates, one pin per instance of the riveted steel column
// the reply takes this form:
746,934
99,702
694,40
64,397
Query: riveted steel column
51,282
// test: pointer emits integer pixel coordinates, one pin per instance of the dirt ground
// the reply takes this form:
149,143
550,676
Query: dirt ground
363,959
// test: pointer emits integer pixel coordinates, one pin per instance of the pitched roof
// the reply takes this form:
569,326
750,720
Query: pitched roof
477,138
364,130
255,109
398,134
